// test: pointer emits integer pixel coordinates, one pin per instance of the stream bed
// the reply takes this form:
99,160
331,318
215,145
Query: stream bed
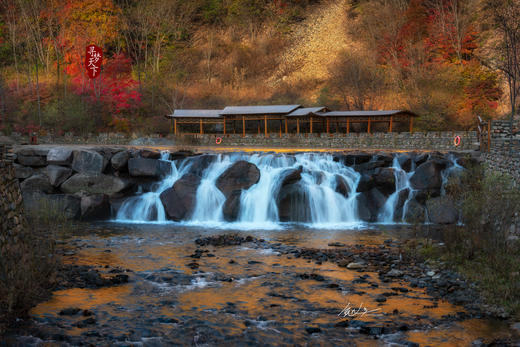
185,285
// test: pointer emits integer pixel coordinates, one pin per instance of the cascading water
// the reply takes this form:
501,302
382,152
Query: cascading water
454,168
402,183
147,207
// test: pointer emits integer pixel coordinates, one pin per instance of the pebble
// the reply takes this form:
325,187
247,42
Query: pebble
356,266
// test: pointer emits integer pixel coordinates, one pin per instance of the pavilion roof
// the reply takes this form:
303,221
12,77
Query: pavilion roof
365,113
307,111
259,110
196,114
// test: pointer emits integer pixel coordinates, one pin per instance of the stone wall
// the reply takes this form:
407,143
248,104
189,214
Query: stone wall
11,204
504,151
442,141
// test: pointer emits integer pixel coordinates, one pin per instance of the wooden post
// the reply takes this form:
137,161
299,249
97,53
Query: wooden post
280,128
489,136
200,120
298,126
411,124
285,126
243,126
224,125
175,126
391,124
368,127
348,125
328,125
265,125
311,124
258,127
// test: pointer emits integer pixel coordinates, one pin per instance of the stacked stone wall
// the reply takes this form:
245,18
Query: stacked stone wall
11,203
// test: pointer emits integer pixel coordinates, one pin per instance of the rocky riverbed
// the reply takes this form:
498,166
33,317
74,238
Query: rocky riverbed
175,285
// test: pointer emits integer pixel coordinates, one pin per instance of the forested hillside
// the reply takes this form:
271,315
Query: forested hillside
439,58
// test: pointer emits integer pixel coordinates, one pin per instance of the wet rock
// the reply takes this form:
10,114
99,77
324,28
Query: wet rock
95,207
380,298
342,186
22,172
241,175
64,205
179,201
291,176
60,156
119,161
143,167
384,179
336,244
428,175
179,155
312,330
34,161
356,266
199,163
94,184
71,311
89,162
442,210
224,240
231,207
86,322
395,273
415,212
369,204
369,166
149,154
366,183
293,204
57,174
405,161
37,182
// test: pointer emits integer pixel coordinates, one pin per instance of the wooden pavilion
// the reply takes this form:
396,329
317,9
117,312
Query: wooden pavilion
288,119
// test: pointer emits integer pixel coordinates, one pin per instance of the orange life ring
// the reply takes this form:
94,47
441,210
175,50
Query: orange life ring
457,141
218,141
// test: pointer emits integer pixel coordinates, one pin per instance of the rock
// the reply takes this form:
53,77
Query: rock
241,175
442,210
6,140
371,165
342,186
37,182
380,298
148,154
420,158
35,161
293,204
428,175
351,159
366,183
395,273
312,330
355,266
119,161
95,207
430,273
343,263
88,162
336,244
71,311
59,156
231,207
57,174
369,204
200,163
179,201
384,178
182,154
405,161
67,206
22,172
415,213
94,184
291,176
142,167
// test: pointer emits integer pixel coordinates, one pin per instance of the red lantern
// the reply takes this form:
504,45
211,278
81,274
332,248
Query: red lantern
93,59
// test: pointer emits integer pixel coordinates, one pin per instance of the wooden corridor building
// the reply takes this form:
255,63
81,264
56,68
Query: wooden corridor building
289,119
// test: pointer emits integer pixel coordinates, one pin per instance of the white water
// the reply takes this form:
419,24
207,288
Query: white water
402,182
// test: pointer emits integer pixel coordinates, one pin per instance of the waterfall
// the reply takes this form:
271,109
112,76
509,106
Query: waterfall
402,182
454,168
147,207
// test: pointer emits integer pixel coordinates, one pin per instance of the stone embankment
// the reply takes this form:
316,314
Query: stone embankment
91,183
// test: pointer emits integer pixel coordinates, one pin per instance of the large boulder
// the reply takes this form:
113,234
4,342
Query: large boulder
415,213
198,164
89,162
143,167
369,166
342,186
405,162
291,176
60,156
366,183
369,204
231,207
22,172
57,174
442,210
353,158
95,207
31,160
428,175
179,201
94,184
149,154
67,206
240,175
119,161
384,179
37,182
293,204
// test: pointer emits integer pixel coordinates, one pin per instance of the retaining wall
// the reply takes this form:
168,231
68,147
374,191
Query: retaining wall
442,141
504,150
12,220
